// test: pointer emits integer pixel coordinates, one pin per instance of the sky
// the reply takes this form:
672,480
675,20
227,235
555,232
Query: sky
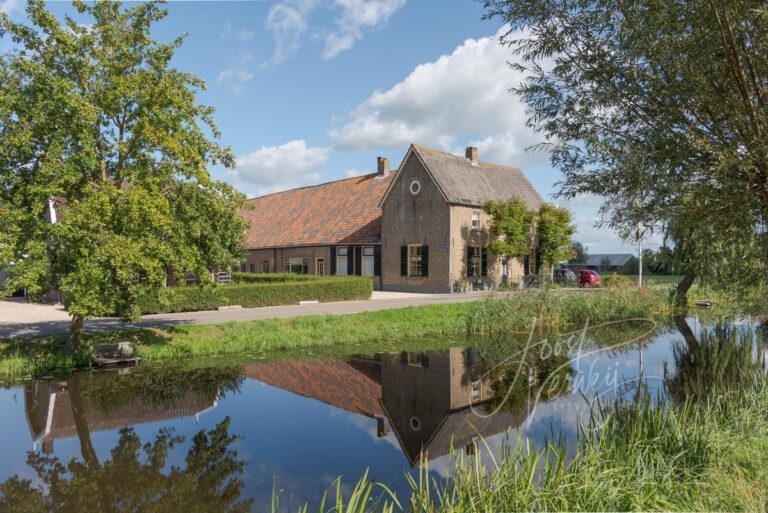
309,91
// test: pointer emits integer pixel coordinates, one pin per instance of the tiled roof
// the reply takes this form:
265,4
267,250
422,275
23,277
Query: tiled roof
338,383
345,211
473,183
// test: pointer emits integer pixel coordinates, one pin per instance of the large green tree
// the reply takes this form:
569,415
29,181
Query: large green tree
659,106
511,227
95,121
553,236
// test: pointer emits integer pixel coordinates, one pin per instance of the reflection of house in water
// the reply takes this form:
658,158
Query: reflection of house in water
51,413
426,398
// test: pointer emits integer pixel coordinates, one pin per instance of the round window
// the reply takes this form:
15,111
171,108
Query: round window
415,187
415,423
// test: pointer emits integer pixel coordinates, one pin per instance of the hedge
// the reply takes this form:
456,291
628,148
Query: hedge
250,295
273,277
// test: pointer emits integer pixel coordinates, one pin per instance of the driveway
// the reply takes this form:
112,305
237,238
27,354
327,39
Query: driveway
21,319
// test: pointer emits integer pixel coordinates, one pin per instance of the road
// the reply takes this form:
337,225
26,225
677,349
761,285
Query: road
21,319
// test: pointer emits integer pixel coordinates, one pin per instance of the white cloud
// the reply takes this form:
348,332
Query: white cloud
234,79
7,6
460,98
276,168
356,16
349,173
288,21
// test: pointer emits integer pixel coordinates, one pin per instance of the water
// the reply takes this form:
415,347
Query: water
221,437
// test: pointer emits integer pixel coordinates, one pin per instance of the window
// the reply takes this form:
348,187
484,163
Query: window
342,261
414,260
415,187
296,265
252,268
476,221
242,267
368,261
264,266
476,261
320,266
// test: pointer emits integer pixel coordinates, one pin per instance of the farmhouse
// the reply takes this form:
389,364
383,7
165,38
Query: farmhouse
418,228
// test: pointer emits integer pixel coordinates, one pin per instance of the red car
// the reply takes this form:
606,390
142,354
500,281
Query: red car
589,278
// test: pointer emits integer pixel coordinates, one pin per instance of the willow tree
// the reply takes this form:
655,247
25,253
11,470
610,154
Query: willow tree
96,122
660,107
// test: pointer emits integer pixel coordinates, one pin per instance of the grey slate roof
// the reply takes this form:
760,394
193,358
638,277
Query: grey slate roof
616,259
472,184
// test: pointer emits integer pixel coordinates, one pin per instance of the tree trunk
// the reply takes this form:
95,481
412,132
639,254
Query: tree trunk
681,292
81,424
687,332
76,332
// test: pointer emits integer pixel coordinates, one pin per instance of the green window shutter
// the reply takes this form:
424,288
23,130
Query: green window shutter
470,254
425,260
485,261
333,260
377,260
358,260
403,260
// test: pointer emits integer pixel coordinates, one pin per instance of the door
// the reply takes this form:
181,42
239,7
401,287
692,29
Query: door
320,267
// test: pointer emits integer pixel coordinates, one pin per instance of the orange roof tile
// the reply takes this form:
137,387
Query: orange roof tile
341,212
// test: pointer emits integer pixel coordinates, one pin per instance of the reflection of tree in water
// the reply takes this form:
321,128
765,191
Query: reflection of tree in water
519,376
159,386
725,358
135,478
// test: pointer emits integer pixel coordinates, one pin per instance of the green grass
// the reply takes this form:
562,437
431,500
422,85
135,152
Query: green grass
501,314
656,279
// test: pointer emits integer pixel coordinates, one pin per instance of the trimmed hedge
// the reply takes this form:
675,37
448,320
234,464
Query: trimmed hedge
273,277
251,295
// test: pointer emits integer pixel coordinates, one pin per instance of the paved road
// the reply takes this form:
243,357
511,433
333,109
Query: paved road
21,319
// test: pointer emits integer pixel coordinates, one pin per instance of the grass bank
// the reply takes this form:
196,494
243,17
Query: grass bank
499,314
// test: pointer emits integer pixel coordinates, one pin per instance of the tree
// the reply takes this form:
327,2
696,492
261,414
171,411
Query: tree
511,228
138,477
660,107
579,253
553,233
95,120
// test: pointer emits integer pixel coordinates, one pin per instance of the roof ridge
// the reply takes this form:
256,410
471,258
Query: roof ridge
449,154
373,174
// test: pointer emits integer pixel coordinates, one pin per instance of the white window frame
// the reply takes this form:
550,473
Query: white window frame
476,220
477,261
317,266
415,259
368,261
342,260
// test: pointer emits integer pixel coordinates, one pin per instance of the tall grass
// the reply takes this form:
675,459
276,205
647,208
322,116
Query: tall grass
556,310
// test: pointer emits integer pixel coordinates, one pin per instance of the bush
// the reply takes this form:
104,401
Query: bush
251,295
617,280
273,277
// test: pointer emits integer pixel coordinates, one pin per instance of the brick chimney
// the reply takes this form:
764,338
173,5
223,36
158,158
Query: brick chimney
383,166
471,153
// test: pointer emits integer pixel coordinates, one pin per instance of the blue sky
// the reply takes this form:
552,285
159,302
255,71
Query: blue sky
308,91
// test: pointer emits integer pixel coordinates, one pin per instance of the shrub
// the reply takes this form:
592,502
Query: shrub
617,280
273,277
251,295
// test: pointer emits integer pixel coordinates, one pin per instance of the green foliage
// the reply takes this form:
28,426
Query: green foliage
660,108
94,118
511,227
251,295
579,253
138,477
616,280
553,234
272,277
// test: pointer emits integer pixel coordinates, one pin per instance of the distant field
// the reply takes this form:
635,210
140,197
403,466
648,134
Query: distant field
656,279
